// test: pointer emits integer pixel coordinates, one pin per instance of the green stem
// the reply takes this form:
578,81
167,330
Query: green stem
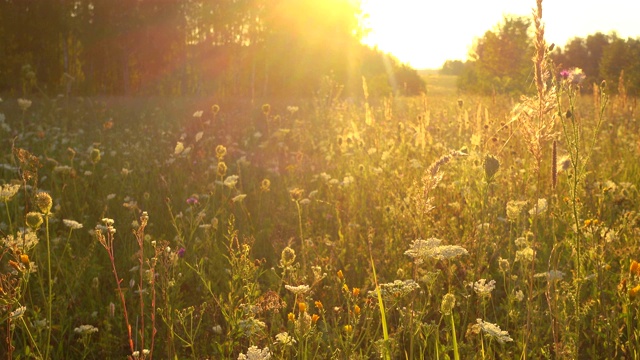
50,297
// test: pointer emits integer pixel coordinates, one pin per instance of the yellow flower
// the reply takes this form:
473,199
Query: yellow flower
319,305
348,329
315,318
340,275
24,258
345,288
221,151
291,317
633,292
302,307
634,268
356,310
356,291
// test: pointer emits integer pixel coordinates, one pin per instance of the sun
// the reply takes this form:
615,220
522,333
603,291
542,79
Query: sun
412,32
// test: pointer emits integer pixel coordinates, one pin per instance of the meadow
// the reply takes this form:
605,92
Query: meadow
447,226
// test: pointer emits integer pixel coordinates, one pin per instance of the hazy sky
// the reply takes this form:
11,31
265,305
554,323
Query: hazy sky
426,33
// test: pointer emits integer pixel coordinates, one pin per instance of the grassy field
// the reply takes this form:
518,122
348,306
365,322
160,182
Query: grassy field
440,227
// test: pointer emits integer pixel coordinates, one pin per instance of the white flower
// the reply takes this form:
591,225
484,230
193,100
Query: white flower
8,191
199,136
238,198
482,288
253,353
198,114
519,295
300,289
285,339
231,181
494,331
539,208
420,250
18,312
179,148
85,329
74,225
292,109
551,276
24,104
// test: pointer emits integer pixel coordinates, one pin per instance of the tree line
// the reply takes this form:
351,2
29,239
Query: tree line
501,60
254,48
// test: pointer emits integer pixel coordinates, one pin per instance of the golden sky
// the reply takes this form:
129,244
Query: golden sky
426,33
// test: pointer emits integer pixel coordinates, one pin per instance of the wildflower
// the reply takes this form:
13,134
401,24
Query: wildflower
420,250
448,303
348,329
251,326
340,275
551,275
221,169
296,194
238,198
302,307
7,191
514,209
179,148
198,114
221,151
266,109
356,310
287,257
292,109
23,240
24,104
315,318
181,252
494,331
573,76
539,208
95,156
44,202
298,290
285,339
525,255
318,305
108,124
395,290
192,201
215,109
491,166
231,181
482,288
18,312
85,329
634,268
356,291
34,220
634,292
265,185
519,295
72,224
24,259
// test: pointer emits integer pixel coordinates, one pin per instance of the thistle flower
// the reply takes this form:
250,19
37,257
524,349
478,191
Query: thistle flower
44,202
221,151
494,331
287,257
34,220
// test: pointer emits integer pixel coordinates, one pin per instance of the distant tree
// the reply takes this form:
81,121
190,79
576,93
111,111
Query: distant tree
452,67
622,55
501,61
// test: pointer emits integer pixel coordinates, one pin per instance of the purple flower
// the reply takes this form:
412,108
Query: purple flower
565,73
192,201
181,252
